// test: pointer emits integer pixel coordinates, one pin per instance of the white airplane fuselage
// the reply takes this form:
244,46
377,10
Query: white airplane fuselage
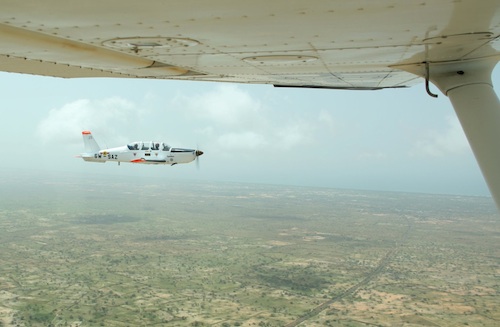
123,154
156,153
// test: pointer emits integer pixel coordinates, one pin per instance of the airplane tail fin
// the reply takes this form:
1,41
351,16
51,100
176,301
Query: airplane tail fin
91,145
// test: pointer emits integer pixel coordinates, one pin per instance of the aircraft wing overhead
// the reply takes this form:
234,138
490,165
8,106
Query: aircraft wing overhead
315,43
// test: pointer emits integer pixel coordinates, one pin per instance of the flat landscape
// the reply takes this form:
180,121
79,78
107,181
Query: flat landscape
125,252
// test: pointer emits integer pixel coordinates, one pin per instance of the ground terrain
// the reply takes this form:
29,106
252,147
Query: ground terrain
116,252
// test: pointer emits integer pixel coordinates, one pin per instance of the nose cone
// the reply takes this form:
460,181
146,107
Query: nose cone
198,153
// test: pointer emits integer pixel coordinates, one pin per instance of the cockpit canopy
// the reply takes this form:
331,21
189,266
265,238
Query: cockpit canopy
153,146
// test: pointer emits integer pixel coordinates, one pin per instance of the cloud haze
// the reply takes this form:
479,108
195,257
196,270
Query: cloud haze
234,120
388,140
448,141
64,125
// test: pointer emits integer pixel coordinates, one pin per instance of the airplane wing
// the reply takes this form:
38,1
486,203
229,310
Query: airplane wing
338,44
148,161
315,43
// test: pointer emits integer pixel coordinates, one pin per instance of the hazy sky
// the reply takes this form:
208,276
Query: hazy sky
395,140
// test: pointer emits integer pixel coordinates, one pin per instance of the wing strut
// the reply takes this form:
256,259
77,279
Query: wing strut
468,85
470,89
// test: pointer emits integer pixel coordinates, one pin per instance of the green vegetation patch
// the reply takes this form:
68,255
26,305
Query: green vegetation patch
245,255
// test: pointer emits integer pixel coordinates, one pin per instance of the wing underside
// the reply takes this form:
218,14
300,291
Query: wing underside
326,44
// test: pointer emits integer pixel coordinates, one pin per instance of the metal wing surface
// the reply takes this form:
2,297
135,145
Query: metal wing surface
314,43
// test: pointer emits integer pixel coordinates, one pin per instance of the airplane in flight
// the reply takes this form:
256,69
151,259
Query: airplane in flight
348,45
156,153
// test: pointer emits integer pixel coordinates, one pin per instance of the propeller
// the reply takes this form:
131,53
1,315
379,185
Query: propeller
198,153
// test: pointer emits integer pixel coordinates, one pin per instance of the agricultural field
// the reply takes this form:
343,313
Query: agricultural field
115,252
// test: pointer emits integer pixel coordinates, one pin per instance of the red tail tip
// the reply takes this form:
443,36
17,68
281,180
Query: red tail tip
85,132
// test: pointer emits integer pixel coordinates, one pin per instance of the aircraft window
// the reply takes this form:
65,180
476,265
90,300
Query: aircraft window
166,147
133,146
145,147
